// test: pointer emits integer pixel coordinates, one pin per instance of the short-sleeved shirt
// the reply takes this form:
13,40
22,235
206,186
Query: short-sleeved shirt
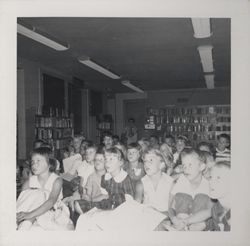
220,219
188,200
84,171
94,184
117,187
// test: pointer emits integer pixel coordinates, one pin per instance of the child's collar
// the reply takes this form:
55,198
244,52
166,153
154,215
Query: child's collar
118,178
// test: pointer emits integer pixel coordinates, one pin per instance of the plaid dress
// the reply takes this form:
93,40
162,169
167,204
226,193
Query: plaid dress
117,190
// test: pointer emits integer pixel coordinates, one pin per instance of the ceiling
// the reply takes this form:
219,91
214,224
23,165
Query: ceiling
152,53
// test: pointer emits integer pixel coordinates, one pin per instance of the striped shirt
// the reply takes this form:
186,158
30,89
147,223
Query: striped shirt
224,155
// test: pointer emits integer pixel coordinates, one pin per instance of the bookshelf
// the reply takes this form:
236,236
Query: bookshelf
55,127
198,123
104,124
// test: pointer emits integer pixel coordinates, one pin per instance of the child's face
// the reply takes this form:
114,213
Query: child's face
143,145
164,148
90,154
222,143
65,154
108,142
219,182
180,145
133,155
112,163
39,164
153,141
76,144
99,162
152,164
192,166
83,148
169,142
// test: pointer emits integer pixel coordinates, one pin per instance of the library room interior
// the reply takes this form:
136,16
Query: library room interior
123,116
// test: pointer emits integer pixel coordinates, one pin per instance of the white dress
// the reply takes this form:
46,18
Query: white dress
56,218
159,197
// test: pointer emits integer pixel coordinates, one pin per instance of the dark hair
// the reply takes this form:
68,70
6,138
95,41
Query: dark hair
134,146
224,135
206,144
91,146
183,138
155,137
116,136
131,119
169,136
46,153
107,134
100,150
205,155
115,150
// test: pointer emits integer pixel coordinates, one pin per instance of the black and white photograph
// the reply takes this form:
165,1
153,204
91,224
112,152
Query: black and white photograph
128,124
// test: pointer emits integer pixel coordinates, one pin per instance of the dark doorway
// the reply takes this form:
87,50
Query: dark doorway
136,109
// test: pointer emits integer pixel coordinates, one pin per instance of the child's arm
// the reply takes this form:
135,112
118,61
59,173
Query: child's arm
46,206
200,216
129,188
25,185
139,191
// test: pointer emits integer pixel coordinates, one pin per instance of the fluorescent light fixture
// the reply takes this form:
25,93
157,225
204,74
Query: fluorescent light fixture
35,34
86,61
201,27
206,58
131,86
209,81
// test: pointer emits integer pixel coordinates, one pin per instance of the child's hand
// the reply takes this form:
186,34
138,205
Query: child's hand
179,224
24,216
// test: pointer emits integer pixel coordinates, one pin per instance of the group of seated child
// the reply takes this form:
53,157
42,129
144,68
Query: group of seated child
189,186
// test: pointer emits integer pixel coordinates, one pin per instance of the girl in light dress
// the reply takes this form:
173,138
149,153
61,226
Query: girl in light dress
39,206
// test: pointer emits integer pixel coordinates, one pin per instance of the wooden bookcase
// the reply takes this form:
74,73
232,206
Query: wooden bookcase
104,124
56,129
198,123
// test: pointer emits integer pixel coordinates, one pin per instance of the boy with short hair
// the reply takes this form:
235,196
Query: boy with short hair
170,141
222,152
108,140
220,189
190,204
154,142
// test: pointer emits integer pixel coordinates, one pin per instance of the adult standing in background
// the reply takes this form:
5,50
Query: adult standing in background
130,132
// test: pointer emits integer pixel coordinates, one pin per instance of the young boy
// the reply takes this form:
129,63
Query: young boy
93,192
134,165
222,152
170,141
190,204
108,140
181,143
154,187
154,142
83,171
220,189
